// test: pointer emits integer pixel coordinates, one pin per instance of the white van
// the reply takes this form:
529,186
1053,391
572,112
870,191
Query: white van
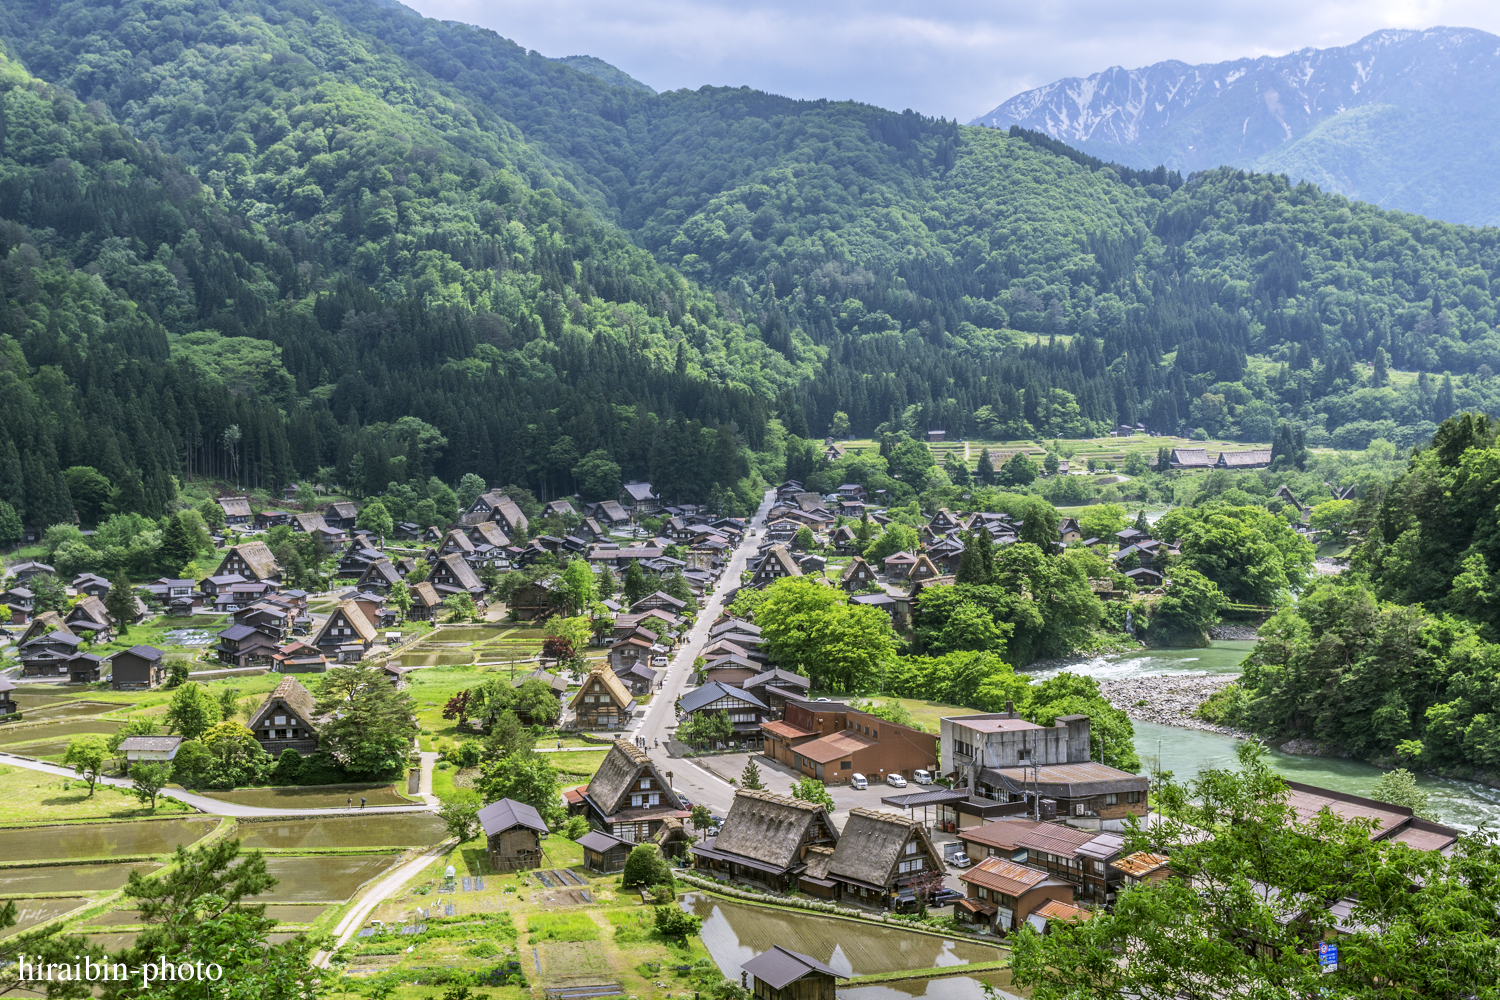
857,782
921,777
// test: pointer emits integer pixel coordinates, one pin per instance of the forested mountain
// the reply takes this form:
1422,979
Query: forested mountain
1403,119
262,240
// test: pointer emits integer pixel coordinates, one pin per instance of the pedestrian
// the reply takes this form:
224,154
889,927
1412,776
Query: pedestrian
350,804
361,801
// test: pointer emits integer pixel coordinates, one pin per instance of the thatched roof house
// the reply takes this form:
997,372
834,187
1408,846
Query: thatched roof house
881,853
628,797
764,839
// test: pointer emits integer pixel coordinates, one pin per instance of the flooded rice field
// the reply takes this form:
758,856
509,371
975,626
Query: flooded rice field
315,796
30,912
54,748
434,658
462,633
381,830
289,914
69,878
64,710
57,730
101,840
947,988
124,939
294,913
734,933
328,879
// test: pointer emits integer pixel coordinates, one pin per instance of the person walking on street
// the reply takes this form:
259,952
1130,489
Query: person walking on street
361,801
350,803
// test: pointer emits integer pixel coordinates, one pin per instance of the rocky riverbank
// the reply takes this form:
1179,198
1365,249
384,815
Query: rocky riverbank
1233,630
1168,699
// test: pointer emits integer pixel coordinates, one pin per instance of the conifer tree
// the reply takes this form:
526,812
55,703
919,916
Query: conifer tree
986,471
120,603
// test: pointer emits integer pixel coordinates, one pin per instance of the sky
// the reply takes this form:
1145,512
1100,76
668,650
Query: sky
949,58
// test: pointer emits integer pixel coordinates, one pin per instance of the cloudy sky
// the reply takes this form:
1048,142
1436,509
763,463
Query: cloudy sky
955,58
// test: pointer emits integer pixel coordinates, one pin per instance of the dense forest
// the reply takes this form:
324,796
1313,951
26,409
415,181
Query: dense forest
264,241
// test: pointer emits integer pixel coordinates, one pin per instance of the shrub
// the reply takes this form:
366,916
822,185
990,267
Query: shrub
646,866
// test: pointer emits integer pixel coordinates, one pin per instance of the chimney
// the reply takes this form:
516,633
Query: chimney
1010,707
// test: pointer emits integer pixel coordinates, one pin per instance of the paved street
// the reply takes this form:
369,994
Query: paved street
698,784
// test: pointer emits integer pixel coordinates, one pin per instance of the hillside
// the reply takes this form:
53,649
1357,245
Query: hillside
338,241
1404,119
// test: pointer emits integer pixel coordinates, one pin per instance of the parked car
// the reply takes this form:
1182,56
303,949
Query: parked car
895,781
658,661
960,860
857,782
945,896
921,777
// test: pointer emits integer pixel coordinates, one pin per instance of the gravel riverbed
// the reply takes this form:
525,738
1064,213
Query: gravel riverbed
1168,699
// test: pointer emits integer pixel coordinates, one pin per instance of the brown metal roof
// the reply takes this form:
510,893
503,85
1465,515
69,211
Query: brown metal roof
1056,909
834,747
785,730
1141,863
1004,876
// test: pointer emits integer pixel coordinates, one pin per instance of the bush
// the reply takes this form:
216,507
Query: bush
646,866
673,922
1228,706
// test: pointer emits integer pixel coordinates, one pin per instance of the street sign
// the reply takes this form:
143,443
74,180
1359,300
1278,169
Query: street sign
1328,955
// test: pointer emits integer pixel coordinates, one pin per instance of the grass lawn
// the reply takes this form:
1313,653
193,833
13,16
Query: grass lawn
582,764
32,797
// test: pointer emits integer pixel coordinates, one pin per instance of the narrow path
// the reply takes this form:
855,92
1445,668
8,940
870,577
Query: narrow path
204,804
379,893
424,781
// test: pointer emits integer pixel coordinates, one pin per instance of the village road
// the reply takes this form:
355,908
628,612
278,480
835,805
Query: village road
699,785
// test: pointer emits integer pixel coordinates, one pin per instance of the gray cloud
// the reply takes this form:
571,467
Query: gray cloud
957,59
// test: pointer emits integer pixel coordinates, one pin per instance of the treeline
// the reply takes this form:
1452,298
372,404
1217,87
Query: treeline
247,242
1396,658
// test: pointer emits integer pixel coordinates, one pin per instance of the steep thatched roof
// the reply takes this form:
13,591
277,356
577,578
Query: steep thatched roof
612,686
771,828
623,766
258,558
871,844
354,617
290,692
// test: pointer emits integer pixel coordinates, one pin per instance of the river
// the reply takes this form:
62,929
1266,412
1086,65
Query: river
1460,804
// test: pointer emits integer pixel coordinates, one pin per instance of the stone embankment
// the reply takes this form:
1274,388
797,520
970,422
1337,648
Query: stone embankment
1233,630
1168,699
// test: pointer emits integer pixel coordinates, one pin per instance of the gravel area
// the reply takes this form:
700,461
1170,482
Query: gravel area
1169,699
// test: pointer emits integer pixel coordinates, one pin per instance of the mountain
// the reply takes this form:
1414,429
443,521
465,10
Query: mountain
1407,120
266,240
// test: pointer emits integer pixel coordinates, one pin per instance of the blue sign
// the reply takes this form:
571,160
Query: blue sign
1328,956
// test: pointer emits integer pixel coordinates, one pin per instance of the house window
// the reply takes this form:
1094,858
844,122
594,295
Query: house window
645,782
845,765
588,699
1098,867
1133,797
911,847
654,799
984,893
635,800
914,865
1111,799
280,720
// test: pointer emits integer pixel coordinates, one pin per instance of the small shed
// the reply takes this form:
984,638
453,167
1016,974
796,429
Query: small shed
7,700
783,974
604,854
150,748
513,834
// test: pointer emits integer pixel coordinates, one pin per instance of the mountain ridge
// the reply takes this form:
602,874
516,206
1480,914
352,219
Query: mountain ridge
1260,112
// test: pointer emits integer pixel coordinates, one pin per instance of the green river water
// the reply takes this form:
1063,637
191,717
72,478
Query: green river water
1461,804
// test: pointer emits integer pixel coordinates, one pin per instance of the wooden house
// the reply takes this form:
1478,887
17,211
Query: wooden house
497,507
639,498
137,668
97,586
379,577
452,574
513,833
604,853
149,748
236,510
347,634
537,600
881,855
746,712
776,564
268,519
89,617
602,702
1002,893
425,602
246,646
898,565
252,560
775,687
628,797
783,974
298,658
764,840
857,576
285,720
343,515
924,569
7,700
